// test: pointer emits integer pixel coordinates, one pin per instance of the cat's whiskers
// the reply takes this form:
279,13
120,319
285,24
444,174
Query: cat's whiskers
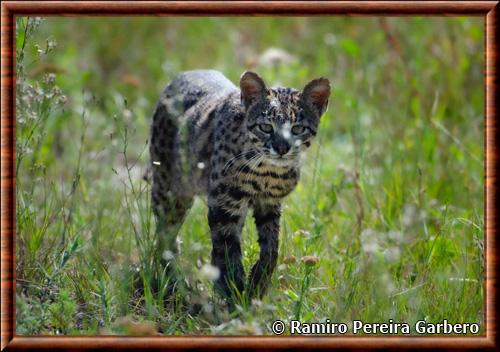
246,163
231,161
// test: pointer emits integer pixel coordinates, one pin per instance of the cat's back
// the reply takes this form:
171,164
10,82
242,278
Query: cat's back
195,97
191,87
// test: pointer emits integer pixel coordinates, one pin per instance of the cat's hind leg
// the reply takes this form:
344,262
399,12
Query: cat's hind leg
170,201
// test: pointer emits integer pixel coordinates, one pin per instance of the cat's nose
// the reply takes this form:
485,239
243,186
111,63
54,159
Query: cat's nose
281,147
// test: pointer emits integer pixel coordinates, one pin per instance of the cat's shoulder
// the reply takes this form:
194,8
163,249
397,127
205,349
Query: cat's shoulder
230,108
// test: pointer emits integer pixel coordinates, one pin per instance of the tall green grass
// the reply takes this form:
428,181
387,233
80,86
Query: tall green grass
386,223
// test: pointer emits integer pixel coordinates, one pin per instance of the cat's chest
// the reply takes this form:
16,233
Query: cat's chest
267,181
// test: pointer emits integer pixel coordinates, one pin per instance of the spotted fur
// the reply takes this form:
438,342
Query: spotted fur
239,147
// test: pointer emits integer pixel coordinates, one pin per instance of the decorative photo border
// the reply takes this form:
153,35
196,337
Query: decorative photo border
10,9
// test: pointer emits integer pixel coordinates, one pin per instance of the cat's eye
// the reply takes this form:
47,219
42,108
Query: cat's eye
266,127
298,129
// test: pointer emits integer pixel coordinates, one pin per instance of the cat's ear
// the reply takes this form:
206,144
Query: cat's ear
252,87
316,94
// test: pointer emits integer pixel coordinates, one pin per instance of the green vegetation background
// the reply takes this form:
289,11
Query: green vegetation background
390,206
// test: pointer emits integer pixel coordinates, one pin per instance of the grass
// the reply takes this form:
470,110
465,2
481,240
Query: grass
386,223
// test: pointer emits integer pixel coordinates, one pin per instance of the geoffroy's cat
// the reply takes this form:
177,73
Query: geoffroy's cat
240,148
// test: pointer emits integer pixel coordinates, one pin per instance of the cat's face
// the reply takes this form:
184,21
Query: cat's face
281,122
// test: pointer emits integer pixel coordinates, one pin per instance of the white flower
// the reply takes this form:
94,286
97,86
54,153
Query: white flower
276,56
369,242
208,308
50,78
197,246
388,283
168,255
392,254
409,215
127,114
395,235
370,247
330,39
210,272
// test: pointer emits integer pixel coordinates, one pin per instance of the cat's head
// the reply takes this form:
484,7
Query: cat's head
281,122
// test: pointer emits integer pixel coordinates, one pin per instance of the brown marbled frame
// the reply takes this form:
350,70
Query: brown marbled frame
9,9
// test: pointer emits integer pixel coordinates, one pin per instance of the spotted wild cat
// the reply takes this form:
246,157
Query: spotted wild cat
241,148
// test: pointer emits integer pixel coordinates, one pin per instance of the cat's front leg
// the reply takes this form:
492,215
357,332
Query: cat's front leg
267,220
226,215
